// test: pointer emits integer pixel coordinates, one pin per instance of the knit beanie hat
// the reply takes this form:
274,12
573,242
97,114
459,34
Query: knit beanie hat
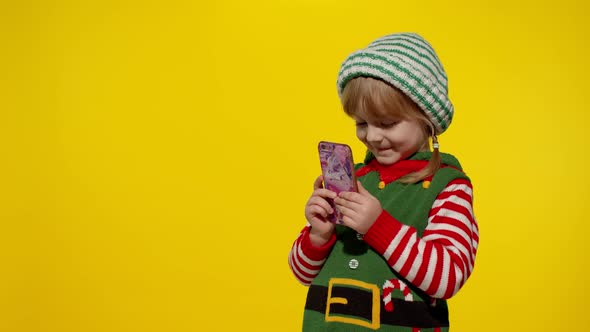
409,63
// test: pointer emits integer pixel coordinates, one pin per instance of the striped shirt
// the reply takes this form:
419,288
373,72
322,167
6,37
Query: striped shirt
438,263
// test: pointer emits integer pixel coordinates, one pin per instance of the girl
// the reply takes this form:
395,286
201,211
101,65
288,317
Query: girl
408,238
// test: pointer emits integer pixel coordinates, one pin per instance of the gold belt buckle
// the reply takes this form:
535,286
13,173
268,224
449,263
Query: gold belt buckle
376,304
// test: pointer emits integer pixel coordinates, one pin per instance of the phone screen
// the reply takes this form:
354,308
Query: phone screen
338,170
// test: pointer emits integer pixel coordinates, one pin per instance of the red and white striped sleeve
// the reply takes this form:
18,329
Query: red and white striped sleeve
305,259
439,262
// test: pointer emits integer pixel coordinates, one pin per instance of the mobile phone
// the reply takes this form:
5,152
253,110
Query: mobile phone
338,171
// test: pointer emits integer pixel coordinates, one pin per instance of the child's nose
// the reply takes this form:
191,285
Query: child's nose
374,134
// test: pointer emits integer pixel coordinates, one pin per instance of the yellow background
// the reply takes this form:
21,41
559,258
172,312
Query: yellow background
157,156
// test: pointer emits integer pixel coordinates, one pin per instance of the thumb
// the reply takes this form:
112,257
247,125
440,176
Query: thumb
361,189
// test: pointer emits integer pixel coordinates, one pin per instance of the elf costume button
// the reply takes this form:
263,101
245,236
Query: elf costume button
381,184
353,264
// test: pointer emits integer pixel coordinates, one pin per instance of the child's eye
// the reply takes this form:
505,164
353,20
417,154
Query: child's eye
389,124
361,124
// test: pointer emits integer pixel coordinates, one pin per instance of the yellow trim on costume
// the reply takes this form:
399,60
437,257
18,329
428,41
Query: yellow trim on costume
376,303
339,300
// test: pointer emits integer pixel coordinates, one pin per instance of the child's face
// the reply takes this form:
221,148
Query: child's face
391,139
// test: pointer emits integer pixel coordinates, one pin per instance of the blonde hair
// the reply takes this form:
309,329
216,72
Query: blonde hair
375,99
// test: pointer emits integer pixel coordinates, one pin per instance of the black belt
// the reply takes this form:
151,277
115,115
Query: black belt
356,302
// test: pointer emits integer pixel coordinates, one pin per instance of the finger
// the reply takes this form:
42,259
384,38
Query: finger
319,182
361,189
343,201
317,210
351,197
317,220
347,221
314,200
324,193
346,211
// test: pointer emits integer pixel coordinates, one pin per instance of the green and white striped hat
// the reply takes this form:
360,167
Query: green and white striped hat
408,62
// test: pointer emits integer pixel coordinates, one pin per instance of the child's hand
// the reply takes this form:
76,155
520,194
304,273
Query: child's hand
359,210
317,211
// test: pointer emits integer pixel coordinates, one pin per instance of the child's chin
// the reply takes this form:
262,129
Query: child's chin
387,160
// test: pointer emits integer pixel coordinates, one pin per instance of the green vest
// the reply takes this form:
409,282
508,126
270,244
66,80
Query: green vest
353,266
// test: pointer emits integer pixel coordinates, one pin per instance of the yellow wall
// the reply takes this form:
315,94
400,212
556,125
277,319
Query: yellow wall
157,155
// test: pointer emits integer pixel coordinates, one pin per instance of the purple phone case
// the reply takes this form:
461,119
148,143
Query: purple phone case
338,170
